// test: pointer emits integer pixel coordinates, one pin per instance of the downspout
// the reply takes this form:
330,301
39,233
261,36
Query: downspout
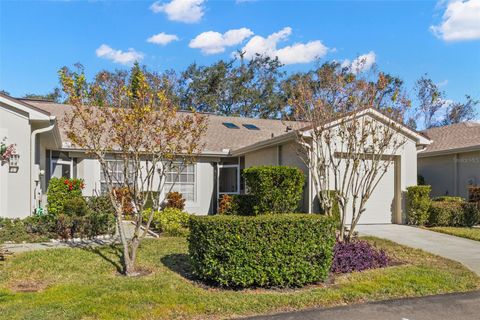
32,159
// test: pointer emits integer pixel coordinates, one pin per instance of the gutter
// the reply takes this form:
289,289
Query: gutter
265,143
32,157
448,151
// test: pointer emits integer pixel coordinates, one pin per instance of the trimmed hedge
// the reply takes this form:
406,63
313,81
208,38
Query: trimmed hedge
444,213
449,199
278,189
418,203
453,214
288,250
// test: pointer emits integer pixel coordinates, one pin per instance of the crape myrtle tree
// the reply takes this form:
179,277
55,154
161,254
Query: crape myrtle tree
346,151
127,116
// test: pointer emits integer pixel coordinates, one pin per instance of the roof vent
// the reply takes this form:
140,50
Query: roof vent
288,128
230,125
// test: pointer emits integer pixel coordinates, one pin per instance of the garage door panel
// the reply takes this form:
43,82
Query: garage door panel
380,207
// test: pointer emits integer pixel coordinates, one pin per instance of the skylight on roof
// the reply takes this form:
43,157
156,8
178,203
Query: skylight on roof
230,125
251,126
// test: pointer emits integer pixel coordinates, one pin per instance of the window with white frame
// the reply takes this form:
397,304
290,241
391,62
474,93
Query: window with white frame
116,170
181,178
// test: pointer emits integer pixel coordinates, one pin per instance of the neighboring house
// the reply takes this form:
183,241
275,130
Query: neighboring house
452,162
231,144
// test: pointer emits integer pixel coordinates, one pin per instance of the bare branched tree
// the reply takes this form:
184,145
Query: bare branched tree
127,117
347,147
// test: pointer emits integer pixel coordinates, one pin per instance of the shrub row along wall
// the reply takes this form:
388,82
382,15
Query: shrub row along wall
264,251
442,211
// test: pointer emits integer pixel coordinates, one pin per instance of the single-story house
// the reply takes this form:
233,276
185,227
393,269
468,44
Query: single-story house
231,144
451,163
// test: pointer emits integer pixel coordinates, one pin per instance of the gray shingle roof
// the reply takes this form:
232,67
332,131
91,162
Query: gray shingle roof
217,138
456,136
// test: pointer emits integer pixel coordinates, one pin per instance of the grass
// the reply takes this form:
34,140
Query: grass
84,284
464,232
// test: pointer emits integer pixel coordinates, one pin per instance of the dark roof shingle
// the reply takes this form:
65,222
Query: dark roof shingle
456,136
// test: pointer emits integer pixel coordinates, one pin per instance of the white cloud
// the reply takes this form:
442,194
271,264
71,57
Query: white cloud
461,21
188,11
296,53
162,38
302,52
212,42
118,56
361,63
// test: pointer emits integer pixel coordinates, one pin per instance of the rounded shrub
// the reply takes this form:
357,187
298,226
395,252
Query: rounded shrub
170,221
277,189
418,203
288,250
175,200
61,190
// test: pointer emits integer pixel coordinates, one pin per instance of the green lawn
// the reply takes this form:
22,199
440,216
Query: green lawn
464,232
81,284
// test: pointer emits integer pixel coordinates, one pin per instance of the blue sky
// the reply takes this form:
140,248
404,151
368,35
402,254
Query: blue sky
404,38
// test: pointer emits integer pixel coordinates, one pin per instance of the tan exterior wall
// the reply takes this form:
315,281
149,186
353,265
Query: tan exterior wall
451,174
263,157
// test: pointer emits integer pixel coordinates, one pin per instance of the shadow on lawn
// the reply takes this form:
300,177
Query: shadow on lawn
110,253
180,264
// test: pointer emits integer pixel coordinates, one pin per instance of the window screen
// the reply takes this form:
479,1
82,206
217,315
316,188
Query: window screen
181,178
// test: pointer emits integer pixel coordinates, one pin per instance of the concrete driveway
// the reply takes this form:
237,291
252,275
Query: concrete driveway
462,250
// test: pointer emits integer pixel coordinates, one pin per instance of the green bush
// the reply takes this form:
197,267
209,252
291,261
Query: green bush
101,205
278,189
453,214
30,229
418,202
471,214
449,199
444,213
288,250
170,221
61,190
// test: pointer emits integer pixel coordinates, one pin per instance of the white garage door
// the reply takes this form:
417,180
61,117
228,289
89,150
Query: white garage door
380,206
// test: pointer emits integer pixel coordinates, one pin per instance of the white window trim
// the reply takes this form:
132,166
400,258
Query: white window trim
220,166
60,161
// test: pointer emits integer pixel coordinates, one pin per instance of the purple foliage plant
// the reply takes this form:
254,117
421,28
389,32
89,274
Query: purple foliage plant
357,255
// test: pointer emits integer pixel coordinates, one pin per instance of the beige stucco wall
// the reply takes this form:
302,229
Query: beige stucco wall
263,157
450,174
15,186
